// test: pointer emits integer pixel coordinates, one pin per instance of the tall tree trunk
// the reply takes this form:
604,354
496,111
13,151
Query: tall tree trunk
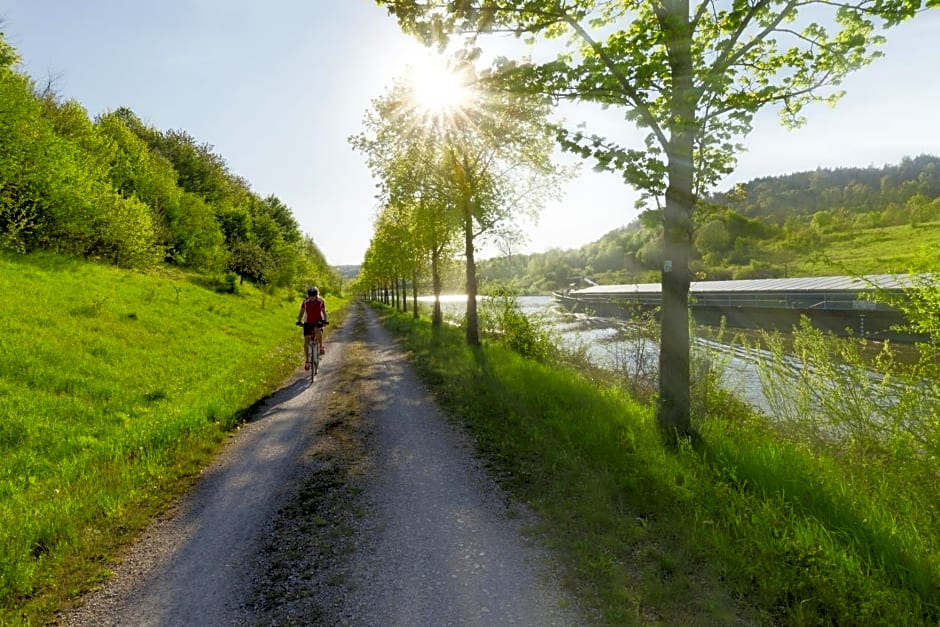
473,330
674,381
437,317
414,294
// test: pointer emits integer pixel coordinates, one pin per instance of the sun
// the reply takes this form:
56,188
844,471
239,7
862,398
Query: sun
438,89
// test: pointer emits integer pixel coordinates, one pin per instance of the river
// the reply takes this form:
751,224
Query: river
604,341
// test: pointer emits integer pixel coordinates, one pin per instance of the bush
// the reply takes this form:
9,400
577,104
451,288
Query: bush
228,284
125,233
527,336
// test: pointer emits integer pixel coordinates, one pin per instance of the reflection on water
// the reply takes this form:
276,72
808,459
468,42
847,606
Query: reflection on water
446,299
617,345
603,340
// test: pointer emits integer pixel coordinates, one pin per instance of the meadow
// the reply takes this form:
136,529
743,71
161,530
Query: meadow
116,387
868,251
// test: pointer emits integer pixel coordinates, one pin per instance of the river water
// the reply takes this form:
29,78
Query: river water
604,341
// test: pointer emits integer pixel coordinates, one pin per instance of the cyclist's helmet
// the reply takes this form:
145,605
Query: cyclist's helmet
312,291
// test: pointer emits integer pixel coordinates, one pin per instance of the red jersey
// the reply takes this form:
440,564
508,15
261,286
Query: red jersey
314,310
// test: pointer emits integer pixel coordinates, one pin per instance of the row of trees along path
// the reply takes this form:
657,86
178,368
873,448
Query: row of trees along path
690,77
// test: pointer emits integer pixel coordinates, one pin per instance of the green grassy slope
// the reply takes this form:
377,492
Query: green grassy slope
114,388
890,249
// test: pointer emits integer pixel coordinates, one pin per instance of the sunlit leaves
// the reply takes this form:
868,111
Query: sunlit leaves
8,54
747,55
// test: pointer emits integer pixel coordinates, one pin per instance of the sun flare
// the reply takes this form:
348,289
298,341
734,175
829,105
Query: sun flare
438,89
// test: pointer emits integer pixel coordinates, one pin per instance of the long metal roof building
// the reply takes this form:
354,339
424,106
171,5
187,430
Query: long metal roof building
831,292
867,283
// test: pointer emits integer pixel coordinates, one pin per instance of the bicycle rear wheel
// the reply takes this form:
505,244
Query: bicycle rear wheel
314,359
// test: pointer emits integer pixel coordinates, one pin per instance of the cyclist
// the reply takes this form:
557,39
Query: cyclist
313,316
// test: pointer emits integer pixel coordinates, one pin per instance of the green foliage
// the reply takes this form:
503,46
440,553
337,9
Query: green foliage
452,176
823,387
199,169
197,239
871,191
250,260
314,270
119,191
229,283
712,237
736,61
54,188
8,54
633,356
523,334
124,233
184,225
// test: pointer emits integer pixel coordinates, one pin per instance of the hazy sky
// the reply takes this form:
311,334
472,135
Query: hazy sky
277,87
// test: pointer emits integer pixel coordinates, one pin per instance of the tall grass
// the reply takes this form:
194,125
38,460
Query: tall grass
742,527
114,388
869,251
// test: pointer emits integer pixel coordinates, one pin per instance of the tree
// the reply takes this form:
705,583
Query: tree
692,77
483,160
713,237
398,144
8,55
497,153
281,213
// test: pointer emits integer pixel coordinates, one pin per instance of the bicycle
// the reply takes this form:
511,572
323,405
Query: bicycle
313,347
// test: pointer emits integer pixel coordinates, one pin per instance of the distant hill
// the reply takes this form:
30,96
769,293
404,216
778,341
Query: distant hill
857,190
821,222
348,272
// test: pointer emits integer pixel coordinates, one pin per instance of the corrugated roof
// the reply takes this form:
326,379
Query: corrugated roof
805,284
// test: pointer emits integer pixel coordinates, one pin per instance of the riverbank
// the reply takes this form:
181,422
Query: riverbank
743,529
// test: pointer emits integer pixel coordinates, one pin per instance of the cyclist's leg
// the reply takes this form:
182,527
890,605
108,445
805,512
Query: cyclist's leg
319,333
307,350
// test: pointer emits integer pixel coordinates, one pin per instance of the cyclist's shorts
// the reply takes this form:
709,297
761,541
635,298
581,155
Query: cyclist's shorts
309,328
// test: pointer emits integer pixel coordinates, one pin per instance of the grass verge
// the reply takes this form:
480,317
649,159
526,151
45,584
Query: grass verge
115,389
742,528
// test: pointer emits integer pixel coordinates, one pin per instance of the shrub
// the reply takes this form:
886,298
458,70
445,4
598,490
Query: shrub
523,334
229,283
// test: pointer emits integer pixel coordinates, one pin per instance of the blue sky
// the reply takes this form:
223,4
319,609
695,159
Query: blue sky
278,86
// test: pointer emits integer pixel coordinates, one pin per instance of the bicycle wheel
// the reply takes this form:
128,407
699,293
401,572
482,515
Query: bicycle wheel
314,359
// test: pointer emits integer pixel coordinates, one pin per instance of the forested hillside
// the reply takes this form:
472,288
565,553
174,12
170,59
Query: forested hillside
851,220
116,190
871,191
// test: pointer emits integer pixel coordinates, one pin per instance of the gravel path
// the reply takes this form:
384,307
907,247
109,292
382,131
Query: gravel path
190,567
446,550
350,502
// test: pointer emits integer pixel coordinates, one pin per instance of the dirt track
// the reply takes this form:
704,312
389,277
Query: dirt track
353,502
